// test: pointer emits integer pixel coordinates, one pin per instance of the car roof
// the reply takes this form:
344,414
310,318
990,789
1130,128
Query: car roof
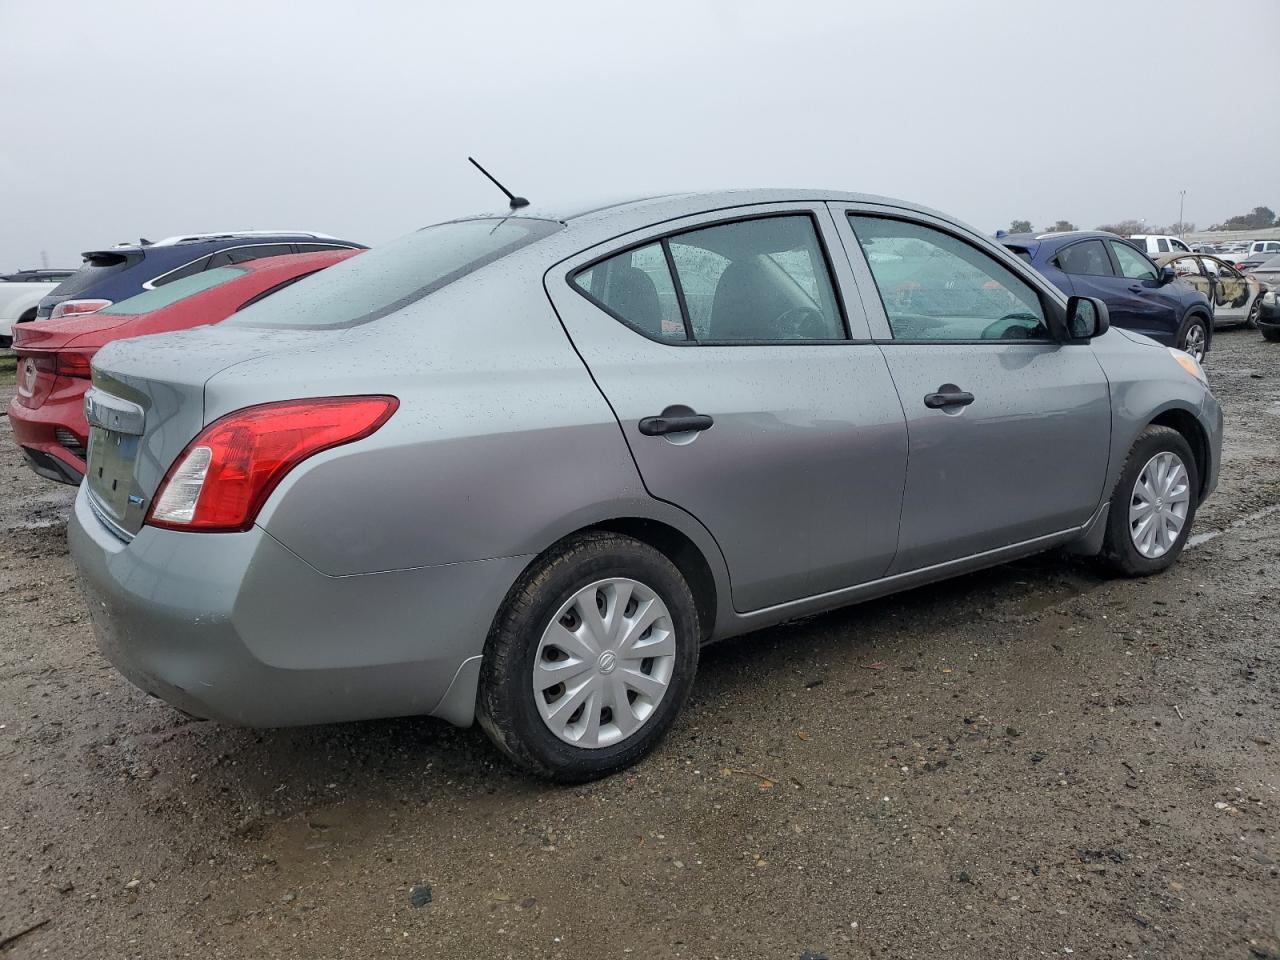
225,236
610,218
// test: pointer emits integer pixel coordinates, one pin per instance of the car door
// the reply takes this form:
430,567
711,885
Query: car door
748,394
1144,304
1009,429
1231,294
1191,271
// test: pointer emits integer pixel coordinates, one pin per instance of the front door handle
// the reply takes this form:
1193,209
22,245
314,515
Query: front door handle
948,395
675,419
1136,288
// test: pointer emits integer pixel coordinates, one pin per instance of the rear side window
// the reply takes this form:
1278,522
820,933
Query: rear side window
1132,264
171,293
390,277
636,287
97,267
185,270
1088,258
1162,246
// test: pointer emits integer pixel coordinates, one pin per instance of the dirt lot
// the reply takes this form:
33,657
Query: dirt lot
1021,763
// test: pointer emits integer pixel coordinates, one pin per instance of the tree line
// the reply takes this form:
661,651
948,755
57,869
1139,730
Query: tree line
1258,218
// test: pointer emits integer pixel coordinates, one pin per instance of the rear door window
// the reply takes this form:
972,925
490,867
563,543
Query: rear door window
1086,258
186,270
224,258
390,277
757,280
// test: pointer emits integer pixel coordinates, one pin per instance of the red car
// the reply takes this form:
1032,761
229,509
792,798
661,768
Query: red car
54,355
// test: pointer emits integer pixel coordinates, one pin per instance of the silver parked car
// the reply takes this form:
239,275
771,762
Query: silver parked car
521,467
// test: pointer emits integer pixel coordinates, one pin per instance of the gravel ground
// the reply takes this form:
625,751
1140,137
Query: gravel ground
1026,762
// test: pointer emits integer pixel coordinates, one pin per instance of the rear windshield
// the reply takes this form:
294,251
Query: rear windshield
388,278
96,268
171,293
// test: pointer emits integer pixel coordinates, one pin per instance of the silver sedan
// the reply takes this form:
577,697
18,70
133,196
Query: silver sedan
519,468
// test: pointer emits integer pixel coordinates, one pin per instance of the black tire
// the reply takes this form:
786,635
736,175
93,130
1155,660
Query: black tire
1271,333
1119,555
505,707
1206,328
1251,321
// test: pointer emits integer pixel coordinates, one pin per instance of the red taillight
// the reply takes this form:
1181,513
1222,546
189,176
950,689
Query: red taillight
73,365
77,308
224,476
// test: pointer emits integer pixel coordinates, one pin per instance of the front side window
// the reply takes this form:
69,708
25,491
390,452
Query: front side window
171,293
1186,267
390,277
937,287
1087,258
1132,264
762,280
1162,246
636,287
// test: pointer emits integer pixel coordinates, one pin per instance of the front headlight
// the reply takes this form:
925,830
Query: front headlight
1189,364
1269,298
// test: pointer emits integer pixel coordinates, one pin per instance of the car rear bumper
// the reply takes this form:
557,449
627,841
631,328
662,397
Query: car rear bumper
234,627
52,436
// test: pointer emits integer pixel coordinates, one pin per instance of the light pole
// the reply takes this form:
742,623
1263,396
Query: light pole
1182,199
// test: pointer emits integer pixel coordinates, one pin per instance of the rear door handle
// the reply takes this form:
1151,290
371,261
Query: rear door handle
675,419
948,395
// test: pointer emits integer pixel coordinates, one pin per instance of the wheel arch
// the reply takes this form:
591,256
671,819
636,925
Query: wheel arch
1189,426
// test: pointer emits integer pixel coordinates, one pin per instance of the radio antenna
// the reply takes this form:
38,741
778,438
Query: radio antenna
516,202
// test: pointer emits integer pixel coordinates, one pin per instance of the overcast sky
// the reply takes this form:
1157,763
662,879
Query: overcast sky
125,119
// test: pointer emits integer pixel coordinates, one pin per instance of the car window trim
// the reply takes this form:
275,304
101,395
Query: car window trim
691,341
155,281
1040,294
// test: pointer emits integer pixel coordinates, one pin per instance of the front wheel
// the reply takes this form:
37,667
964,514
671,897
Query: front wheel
1195,338
1153,505
590,659
1251,321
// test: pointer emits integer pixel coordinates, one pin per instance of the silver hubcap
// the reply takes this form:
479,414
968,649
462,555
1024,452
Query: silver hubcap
604,663
1158,508
1195,341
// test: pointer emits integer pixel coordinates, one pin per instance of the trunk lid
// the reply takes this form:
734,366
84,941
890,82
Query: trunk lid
148,402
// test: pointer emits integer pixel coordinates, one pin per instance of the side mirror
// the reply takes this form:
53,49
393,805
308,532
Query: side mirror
1167,275
1087,317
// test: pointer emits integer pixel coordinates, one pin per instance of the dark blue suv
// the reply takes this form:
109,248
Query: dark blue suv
1139,295
120,272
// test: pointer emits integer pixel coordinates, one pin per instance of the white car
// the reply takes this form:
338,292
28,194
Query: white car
1155,245
20,293
1269,248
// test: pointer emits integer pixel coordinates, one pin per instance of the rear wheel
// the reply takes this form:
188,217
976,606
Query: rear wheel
1153,505
590,660
1194,338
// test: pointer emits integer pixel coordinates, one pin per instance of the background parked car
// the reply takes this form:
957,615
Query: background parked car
1140,295
1235,297
1269,247
1154,244
54,356
1267,273
21,293
109,276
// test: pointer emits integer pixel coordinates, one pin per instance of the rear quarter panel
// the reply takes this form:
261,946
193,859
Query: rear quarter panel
501,445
